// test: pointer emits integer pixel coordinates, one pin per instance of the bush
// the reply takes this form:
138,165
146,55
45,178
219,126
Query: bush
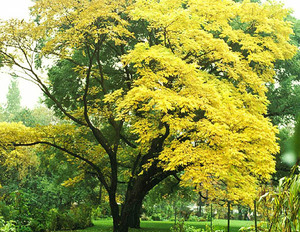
144,217
181,227
65,221
37,225
78,217
7,226
102,211
28,219
82,216
16,215
194,218
156,217
202,219
262,227
24,228
6,211
52,220
185,212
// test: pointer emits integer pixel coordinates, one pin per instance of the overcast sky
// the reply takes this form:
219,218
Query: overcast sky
29,92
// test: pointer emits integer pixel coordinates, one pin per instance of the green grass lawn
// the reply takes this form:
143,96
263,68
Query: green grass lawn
105,225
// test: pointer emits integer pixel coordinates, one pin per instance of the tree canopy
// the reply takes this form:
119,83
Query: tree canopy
284,94
154,88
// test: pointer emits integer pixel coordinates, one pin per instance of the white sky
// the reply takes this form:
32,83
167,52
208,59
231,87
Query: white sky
29,92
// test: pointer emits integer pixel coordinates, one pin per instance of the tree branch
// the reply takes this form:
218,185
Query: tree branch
94,166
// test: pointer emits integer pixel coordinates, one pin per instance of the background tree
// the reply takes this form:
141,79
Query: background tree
15,166
13,97
38,192
32,190
163,87
284,97
284,93
12,111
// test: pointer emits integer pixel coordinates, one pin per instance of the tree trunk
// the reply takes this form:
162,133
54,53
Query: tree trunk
115,212
228,216
137,189
131,210
100,194
255,217
131,213
134,218
175,212
200,204
211,216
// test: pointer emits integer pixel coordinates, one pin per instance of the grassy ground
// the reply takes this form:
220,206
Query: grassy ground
164,226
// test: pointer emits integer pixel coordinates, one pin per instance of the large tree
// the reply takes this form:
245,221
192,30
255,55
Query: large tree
161,87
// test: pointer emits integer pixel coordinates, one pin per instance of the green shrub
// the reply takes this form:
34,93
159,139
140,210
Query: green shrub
37,225
185,212
194,218
181,227
6,211
82,216
261,227
8,226
102,211
65,221
202,219
24,228
16,215
156,217
52,220
78,217
144,217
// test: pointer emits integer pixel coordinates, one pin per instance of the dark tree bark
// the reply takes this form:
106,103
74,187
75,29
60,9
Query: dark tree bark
137,189
114,211
130,216
255,216
134,217
200,204
228,216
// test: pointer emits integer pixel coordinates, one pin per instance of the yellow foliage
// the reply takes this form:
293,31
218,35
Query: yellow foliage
20,158
199,81
73,181
217,128
82,16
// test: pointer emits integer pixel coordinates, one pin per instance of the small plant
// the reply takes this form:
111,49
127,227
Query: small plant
78,217
144,217
214,229
7,226
181,227
261,227
194,218
156,217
